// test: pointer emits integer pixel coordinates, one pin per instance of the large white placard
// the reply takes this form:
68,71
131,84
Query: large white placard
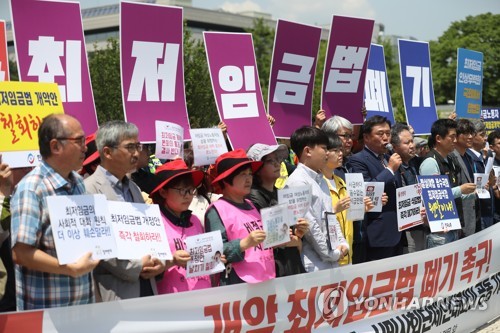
208,144
409,203
80,224
138,230
297,199
356,188
205,251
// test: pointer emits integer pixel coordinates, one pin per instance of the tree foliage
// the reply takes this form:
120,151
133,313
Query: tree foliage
479,33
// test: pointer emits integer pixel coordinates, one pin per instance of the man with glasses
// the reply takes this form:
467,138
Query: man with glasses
118,146
343,128
41,282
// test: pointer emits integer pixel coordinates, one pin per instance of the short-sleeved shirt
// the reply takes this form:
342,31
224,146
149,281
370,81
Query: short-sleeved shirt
31,226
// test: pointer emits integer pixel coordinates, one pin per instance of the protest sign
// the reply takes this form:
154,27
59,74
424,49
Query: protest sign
169,140
491,117
331,229
80,224
205,251
439,203
481,179
291,82
297,199
409,202
50,47
236,86
496,169
345,67
208,144
152,66
275,222
355,185
138,230
374,191
489,164
416,82
4,58
377,93
469,87
23,105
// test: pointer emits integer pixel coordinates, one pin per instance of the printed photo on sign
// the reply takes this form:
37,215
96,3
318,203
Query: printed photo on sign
205,251
297,199
208,144
80,224
275,221
409,203
481,179
439,203
355,185
374,191
138,230
169,140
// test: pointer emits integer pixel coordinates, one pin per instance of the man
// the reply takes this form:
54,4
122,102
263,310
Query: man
470,204
343,128
41,282
310,145
403,143
479,161
494,142
118,146
382,231
438,162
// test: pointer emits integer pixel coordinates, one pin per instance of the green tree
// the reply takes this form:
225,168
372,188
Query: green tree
479,33
263,42
104,65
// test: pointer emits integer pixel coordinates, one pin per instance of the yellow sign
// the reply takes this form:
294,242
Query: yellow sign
23,105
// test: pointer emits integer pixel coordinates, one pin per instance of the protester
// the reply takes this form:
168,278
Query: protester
92,159
264,194
470,204
439,162
6,182
176,187
310,145
403,144
41,282
118,146
494,142
382,232
239,222
143,176
343,128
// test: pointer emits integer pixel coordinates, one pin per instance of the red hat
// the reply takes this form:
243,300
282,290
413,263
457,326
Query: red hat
228,162
170,170
92,154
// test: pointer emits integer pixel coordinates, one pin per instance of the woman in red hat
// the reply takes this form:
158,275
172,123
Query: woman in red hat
239,222
175,190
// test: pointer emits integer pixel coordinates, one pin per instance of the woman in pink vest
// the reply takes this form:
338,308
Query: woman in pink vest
239,222
176,187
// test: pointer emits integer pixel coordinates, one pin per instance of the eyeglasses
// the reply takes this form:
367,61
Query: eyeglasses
131,147
79,140
184,191
346,136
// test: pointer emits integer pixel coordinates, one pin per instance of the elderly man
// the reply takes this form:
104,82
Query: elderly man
41,282
118,146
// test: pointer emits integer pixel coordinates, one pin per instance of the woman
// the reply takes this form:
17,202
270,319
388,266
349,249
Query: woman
264,194
338,193
175,190
239,222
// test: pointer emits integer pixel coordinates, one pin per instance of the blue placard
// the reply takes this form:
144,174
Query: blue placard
469,92
377,93
439,203
416,82
491,119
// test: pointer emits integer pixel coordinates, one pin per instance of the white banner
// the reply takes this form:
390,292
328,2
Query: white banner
451,288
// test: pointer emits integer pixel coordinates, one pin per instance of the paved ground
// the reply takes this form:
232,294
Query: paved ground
491,327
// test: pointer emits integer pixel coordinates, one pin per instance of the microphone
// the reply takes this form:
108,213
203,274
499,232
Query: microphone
390,148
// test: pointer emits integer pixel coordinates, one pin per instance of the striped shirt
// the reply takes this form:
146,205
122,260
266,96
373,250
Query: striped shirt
31,226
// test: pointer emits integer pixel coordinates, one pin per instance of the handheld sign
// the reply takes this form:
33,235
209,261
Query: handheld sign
169,139
275,222
80,224
138,230
374,191
208,144
355,185
480,179
297,199
491,117
409,202
416,82
439,203
205,251
469,87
